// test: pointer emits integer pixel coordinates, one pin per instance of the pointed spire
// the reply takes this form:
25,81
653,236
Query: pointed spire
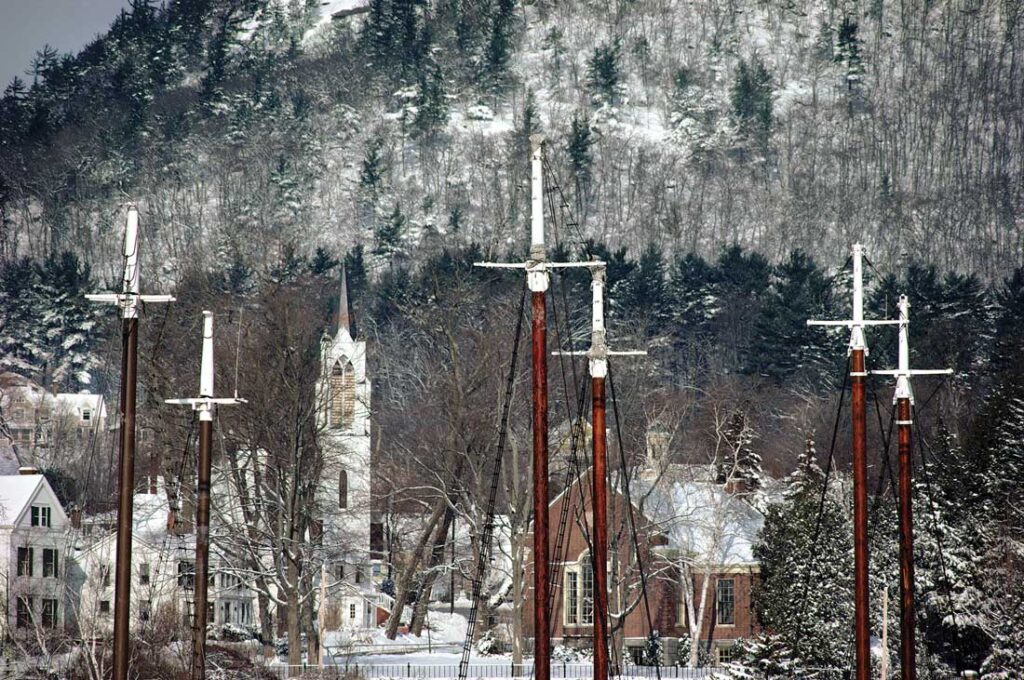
344,322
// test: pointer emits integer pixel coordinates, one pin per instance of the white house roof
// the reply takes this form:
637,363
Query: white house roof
701,519
77,402
16,492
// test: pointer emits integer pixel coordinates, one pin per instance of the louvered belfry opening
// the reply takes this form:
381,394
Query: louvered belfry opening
343,395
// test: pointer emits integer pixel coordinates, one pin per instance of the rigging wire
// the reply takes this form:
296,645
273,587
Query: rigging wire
483,558
629,506
821,509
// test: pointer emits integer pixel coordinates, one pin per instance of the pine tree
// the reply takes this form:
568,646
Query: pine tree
643,295
431,100
805,595
738,463
580,158
751,99
848,52
499,46
603,72
389,235
784,343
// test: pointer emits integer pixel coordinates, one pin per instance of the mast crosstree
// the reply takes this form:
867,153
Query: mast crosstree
128,300
204,404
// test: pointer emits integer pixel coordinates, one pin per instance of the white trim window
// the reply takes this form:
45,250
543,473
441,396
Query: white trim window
725,602
578,599
40,515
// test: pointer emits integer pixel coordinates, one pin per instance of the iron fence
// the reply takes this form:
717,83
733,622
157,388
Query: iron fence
569,671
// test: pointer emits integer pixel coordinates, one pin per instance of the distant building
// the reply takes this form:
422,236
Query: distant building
33,539
40,427
163,574
344,393
692,531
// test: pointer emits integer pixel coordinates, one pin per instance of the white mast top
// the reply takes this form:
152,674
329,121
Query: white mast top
857,327
599,352
206,369
128,299
857,323
537,196
205,402
903,371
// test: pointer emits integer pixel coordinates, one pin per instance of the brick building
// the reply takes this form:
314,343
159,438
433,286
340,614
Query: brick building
696,539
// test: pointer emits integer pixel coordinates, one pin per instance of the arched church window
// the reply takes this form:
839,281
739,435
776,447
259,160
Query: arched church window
341,409
343,489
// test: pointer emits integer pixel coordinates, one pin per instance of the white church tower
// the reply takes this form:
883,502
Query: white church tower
344,494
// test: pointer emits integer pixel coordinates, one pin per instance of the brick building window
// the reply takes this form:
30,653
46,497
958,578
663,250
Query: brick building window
186,574
579,593
343,489
341,407
725,602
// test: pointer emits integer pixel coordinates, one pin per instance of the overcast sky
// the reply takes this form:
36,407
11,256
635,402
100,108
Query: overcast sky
27,25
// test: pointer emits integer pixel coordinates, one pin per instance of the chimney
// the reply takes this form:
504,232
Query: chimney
28,470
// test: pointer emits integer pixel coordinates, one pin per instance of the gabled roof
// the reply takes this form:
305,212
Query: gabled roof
17,492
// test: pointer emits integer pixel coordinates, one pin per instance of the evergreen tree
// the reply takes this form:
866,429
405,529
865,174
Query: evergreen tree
784,343
323,262
643,295
431,99
848,52
499,46
603,72
580,157
692,288
751,99
389,235
741,282
738,463
805,595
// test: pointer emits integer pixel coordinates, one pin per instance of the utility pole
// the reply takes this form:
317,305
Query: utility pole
128,300
598,364
204,403
904,398
858,373
537,279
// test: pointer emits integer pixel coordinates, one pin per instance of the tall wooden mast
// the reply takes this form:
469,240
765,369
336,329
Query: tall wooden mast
598,364
858,445
204,403
904,398
538,278
128,300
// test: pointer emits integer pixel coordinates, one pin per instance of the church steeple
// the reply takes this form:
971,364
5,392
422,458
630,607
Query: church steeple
344,319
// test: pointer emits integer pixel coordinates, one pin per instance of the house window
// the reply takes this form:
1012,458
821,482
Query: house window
725,654
104,606
146,610
49,563
244,613
343,489
210,615
23,615
25,561
352,612
359,574
339,571
144,574
186,574
227,612
86,415
572,598
49,613
341,408
40,515
725,602
105,575
587,600
579,593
